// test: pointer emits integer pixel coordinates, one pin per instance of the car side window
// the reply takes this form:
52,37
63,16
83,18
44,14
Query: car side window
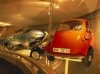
88,27
17,34
63,26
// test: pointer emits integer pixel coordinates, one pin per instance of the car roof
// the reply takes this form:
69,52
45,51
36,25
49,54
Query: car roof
80,19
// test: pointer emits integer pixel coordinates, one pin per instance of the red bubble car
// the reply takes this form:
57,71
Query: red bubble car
74,39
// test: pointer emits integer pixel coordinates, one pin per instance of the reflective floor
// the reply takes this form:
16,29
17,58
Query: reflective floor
73,67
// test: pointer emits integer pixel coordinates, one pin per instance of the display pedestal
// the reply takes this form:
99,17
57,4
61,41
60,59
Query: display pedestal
67,61
59,62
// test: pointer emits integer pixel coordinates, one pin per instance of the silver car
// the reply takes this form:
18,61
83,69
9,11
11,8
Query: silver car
24,38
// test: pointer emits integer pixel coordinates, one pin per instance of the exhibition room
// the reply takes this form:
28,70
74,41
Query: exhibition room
49,36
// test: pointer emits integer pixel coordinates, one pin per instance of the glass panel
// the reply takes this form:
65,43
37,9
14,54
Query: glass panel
70,25
88,27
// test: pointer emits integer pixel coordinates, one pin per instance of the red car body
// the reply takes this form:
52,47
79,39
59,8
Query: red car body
73,38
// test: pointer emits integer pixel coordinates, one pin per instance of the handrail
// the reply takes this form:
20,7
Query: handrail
43,69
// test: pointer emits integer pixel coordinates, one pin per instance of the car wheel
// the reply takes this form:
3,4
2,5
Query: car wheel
2,41
50,58
88,59
9,46
35,54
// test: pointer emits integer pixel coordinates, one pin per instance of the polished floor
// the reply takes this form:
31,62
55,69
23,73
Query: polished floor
73,67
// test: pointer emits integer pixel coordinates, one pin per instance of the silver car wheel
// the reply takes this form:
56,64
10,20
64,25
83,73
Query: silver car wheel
9,47
35,55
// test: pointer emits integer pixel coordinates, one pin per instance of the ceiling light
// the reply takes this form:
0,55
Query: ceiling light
56,6
4,24
1,22
7,24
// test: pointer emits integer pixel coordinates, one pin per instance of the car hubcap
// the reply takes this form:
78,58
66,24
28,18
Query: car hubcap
9,46
35,55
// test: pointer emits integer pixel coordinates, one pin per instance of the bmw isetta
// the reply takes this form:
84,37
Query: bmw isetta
73,38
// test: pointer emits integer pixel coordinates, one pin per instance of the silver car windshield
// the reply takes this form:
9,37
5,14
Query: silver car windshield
70,25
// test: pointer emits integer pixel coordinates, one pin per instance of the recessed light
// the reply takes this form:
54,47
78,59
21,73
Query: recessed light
1,22
7,24
56,6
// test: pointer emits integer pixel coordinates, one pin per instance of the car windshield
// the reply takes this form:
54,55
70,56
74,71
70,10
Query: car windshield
70,25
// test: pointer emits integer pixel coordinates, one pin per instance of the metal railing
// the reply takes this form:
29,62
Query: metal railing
19,60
